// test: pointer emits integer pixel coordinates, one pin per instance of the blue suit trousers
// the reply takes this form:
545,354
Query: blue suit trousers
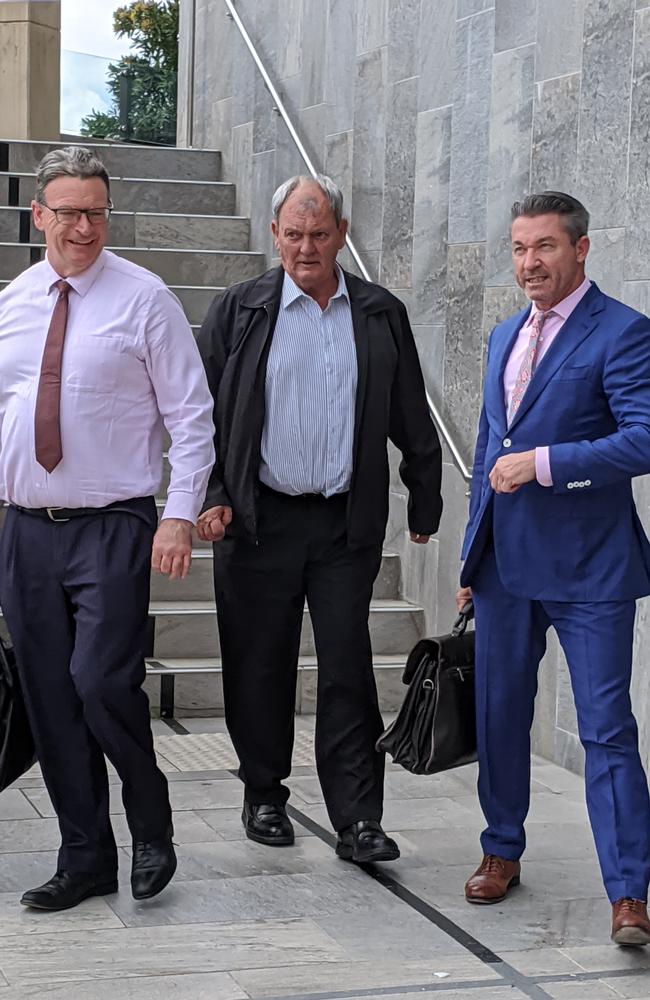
597,641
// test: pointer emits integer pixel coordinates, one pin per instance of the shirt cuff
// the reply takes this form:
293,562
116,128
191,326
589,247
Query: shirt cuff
543,467
182,505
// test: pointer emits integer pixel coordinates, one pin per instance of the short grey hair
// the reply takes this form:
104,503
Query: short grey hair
69,161
574,215
331,191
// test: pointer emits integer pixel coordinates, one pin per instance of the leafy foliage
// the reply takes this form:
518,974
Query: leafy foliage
144,81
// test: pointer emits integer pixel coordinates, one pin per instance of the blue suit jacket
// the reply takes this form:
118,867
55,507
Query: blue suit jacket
589,400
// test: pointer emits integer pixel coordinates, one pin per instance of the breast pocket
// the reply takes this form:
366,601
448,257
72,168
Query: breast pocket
97,365
572,373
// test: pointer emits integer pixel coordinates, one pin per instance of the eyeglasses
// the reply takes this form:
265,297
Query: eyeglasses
71,216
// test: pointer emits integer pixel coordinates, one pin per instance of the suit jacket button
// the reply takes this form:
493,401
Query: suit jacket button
507,442
570,486
587,482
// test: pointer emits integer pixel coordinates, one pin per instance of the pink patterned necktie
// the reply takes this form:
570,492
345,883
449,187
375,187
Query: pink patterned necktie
527,368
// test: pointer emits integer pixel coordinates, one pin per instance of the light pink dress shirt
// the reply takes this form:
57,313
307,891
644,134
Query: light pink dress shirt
130,368
552,326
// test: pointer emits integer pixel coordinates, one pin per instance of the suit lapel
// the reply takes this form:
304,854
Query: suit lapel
499,353
582,321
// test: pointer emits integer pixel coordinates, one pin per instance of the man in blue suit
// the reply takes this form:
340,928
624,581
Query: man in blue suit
554,539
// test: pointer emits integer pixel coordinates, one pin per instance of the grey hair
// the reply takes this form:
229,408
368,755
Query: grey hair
69,161
331,191
574,215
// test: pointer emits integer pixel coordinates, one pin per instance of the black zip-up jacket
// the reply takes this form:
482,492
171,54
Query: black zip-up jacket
390,403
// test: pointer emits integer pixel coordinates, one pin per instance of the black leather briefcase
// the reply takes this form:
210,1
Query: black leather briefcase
435,728
17,752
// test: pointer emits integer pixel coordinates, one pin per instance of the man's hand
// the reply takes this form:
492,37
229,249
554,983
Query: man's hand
212,524
463,595
419,539
171,552
512,471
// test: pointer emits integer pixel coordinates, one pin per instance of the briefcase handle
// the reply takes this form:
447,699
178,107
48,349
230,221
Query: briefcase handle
465,616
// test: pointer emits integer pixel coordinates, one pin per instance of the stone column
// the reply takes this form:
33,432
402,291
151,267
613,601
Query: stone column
185,88
30,75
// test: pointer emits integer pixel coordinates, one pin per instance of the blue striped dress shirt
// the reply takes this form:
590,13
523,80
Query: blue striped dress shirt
311,384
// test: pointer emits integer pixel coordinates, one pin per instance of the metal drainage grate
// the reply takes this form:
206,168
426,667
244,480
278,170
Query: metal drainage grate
215,752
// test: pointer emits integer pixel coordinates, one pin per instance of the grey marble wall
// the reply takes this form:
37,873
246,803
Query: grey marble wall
434,115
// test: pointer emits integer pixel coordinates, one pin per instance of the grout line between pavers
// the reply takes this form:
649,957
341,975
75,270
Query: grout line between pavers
506,972
389,991
586,977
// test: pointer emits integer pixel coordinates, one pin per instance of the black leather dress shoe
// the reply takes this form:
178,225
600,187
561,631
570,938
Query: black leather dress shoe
366,841
267,824
152,867
66,889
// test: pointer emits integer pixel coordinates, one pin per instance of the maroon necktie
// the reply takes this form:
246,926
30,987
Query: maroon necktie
47,426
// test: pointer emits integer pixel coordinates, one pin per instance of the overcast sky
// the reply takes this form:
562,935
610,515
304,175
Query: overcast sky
86,27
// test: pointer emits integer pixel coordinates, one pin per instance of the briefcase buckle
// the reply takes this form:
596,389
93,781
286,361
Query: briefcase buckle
57,520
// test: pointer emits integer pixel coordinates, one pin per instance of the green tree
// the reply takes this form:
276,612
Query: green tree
146,79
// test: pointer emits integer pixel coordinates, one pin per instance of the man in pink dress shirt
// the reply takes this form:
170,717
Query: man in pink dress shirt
96,360
554,539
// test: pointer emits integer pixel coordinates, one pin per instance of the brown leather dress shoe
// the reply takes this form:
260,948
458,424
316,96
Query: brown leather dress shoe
492,880
630,923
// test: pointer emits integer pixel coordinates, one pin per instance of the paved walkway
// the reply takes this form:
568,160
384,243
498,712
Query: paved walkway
241,920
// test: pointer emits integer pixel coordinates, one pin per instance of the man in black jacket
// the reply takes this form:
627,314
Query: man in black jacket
312,371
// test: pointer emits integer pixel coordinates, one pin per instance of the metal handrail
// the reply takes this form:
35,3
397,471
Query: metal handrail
438,420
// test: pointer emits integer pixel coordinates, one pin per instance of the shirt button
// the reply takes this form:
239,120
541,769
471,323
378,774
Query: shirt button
507,442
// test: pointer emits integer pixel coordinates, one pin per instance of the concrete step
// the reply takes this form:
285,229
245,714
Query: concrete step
199,585
196,300
145,229
183,627
139,194
121,160
211,267
198,686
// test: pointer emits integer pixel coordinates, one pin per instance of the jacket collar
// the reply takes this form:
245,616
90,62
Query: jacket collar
578,326
267,290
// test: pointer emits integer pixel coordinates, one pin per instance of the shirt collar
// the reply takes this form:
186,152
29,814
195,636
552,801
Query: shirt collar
564,308
81,283
291,292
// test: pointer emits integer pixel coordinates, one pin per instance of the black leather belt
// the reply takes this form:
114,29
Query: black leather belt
60,515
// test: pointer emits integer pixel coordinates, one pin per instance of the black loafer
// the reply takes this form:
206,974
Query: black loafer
65,889
153,865
267,824
366,841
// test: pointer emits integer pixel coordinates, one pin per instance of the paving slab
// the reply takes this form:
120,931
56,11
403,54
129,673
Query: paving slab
348,977
204,986
244,920
73,956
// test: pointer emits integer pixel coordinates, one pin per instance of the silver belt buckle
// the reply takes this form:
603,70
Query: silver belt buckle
57,520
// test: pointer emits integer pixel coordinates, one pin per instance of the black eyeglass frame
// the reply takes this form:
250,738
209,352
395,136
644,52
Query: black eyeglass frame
78,212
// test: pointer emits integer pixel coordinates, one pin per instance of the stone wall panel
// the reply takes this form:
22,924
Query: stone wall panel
509,161
605,109
399,174
433,116
433,154
554,160
470,129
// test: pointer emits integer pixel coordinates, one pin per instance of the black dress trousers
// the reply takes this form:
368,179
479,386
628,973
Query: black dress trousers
260,590
75,596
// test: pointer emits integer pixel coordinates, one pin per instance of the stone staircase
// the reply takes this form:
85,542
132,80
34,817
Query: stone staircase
176,217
